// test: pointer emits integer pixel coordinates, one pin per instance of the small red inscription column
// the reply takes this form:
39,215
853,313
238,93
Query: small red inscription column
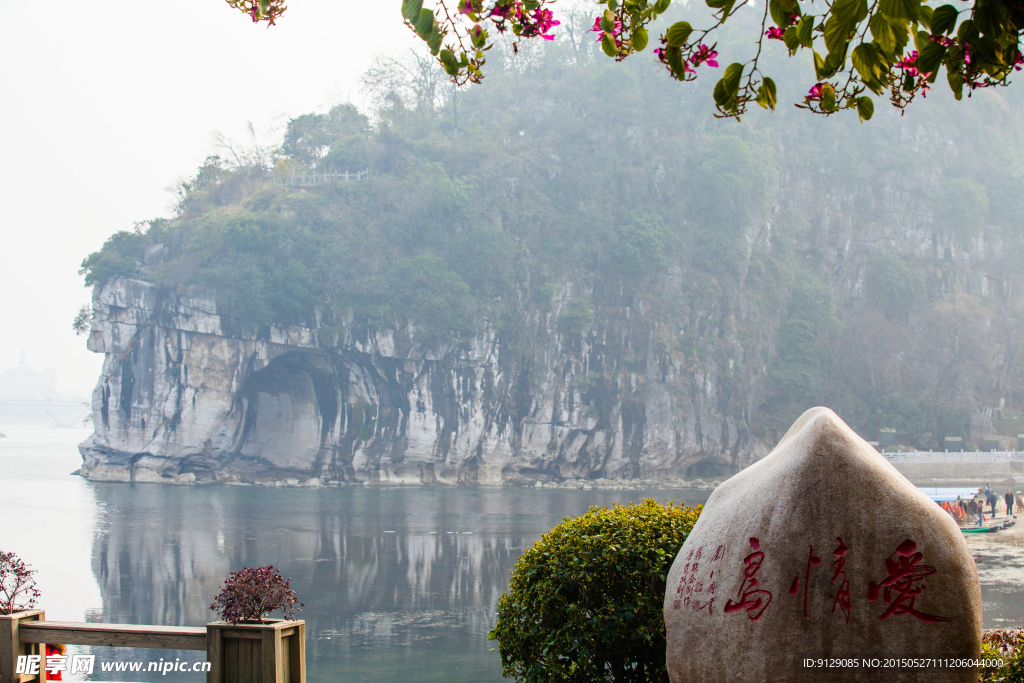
690,591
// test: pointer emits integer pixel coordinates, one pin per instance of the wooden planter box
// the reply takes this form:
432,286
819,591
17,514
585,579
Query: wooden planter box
274,652
11,646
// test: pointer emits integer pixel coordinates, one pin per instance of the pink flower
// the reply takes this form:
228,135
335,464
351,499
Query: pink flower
774,33
907,64
705,55
941,40
466,7
616,30
815,92
504,10
544,20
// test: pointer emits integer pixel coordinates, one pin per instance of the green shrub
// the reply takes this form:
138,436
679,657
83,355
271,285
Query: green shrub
585,601
1003,645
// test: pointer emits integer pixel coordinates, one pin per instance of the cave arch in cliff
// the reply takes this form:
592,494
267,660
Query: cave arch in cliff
711,468
291,410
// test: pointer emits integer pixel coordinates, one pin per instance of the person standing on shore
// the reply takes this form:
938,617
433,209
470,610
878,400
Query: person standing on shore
1008,497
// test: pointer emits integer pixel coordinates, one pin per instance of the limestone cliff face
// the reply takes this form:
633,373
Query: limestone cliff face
185,396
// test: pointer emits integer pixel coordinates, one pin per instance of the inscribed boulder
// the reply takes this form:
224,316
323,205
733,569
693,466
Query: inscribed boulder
822,554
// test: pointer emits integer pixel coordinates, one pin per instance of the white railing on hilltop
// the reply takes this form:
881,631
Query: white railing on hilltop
946,457
321,178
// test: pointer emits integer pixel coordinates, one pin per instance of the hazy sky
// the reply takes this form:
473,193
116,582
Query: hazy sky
107,105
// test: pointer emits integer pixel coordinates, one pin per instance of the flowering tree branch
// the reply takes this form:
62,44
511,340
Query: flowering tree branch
859,48
260,10
17,584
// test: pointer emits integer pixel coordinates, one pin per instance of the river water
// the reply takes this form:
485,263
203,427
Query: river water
400,583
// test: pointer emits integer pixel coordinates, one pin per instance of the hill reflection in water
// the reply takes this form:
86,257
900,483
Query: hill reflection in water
398,582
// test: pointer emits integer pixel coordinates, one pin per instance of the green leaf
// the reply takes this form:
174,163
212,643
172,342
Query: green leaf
789,6
865,108
411,9
675,62
424,23
727,87
924,15
662,6
985,49
766,94
837,33
929,59
956,83
836,61
943,19
899,11
805,31
922,39
790,38
892,39
821,69
608,21
733,74
850,11
967,31
990,18
639,39
869,65
434,41
608,44
678,33
779,15
449,61
724,7
828,97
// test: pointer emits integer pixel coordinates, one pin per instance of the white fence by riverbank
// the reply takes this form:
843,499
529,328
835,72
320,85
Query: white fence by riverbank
321,178
950,458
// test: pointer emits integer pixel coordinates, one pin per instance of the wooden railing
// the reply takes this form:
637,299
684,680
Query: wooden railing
274,652
114,635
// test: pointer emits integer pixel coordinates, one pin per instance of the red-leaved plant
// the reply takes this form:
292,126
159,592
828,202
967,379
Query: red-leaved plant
18,590
252,594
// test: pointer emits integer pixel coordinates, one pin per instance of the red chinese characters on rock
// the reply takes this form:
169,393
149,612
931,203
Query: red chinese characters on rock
751,598
899,590
812,561
904,583
691,591
842,600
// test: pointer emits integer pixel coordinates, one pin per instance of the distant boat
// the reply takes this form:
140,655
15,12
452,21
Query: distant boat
988,529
